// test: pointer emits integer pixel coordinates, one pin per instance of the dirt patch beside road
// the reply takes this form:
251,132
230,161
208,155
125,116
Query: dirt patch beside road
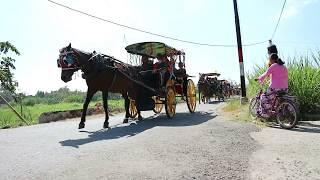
69,114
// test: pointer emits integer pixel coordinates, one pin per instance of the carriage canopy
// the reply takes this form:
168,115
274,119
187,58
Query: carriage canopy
210,74
153,49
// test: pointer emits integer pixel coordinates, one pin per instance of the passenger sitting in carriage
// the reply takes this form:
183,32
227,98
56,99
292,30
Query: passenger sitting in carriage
181,72
161,67
161,64
181,76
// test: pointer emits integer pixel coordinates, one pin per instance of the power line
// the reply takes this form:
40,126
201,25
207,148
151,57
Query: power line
151,33
275,29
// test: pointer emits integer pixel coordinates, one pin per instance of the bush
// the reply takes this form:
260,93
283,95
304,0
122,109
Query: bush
304,81
74,98
53,101
30,101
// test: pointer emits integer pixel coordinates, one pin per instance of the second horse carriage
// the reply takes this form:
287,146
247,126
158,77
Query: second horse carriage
161,82
209,86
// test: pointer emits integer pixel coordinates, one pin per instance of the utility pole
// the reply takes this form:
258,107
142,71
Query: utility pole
240,54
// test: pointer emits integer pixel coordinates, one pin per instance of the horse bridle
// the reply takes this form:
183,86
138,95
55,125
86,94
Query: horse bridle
63,61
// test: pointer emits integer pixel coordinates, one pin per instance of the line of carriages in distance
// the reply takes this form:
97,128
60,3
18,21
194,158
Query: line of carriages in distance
210,86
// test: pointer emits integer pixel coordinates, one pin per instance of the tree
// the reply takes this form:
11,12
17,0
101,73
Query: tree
6,66
6,95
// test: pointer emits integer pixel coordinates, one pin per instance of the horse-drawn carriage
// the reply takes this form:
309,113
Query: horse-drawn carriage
210,86
146,86
162,81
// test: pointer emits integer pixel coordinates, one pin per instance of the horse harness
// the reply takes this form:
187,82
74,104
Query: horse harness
103,62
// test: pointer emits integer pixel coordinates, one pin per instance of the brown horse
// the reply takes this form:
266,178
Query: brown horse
102,73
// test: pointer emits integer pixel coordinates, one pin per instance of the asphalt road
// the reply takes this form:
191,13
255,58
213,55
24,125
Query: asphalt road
203,145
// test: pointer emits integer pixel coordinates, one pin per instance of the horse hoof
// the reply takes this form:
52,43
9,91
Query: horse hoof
125,120
81,125
105,125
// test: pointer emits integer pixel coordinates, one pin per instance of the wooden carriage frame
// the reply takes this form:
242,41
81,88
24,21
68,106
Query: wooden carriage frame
173,88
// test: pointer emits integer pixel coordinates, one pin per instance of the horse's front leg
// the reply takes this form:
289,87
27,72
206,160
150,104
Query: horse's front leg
105,106
139,116
85,107
126,107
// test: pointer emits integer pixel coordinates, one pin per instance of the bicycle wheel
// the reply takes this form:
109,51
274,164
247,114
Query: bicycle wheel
287,114
254,107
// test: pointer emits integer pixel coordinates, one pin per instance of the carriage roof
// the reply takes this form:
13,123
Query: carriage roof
211,74
153,49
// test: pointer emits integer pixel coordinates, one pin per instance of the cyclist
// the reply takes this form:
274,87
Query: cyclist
278,82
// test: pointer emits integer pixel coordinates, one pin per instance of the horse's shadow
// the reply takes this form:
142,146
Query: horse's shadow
136,127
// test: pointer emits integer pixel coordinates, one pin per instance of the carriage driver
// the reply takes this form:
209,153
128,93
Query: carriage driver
146,69
146,63
161,68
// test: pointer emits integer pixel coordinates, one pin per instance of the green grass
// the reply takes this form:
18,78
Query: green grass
232,105
240,112
32,113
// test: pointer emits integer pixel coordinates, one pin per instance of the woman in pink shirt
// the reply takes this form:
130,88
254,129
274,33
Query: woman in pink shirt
278,82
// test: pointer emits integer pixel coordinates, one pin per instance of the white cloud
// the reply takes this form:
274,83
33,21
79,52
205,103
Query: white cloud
293,7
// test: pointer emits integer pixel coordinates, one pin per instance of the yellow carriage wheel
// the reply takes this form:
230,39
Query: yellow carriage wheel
133,112
191,96
158,105
170,103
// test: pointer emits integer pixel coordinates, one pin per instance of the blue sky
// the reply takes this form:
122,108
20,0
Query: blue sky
39,29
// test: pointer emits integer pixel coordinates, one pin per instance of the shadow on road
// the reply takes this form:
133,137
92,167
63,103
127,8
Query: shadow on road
215,102
301,127
307,127
136,127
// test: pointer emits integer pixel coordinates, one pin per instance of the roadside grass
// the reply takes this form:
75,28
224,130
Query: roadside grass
32,113
239,112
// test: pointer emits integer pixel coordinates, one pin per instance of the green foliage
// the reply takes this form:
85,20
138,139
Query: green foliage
74,98
62,99
6,67
32,113
232,105
304,81
65,95
6,95
31,101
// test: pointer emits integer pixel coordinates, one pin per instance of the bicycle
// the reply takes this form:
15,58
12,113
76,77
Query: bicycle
284,109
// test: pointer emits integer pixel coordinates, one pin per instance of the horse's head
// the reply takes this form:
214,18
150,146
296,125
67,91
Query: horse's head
201,77
68,62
